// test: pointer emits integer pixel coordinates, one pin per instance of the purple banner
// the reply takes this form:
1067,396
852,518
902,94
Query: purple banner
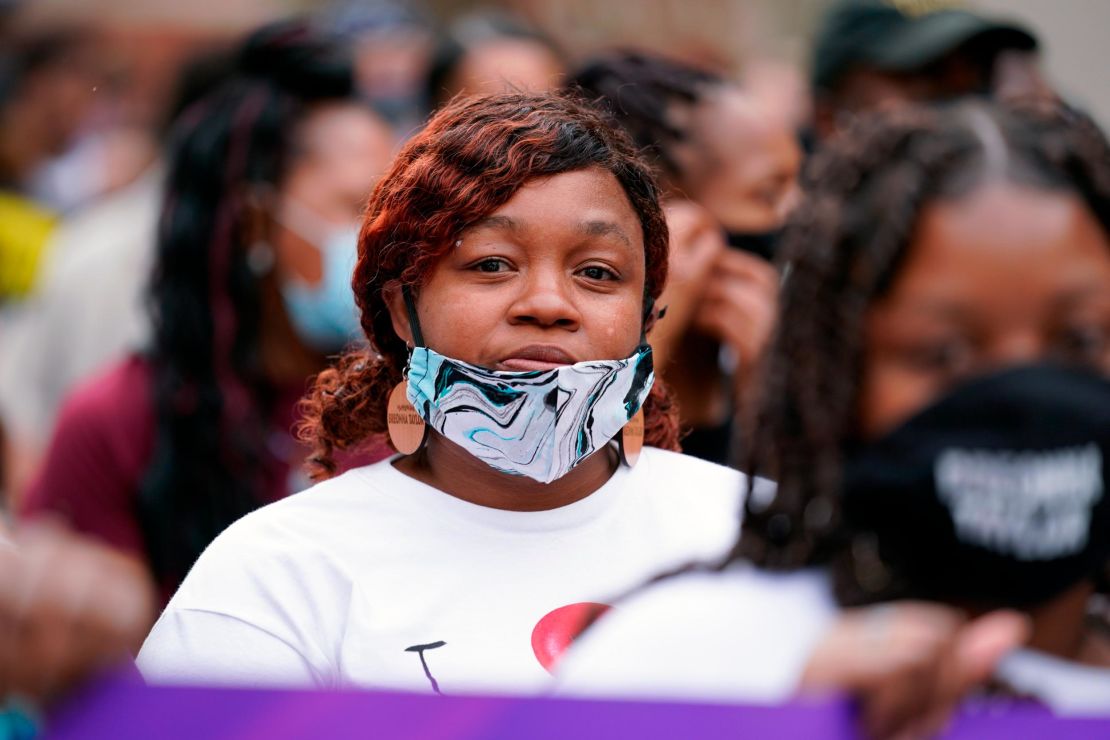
122,710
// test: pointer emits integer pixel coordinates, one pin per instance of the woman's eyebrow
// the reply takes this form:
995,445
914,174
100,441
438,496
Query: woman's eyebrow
504,223
605,228
934,307
589,228
1080,294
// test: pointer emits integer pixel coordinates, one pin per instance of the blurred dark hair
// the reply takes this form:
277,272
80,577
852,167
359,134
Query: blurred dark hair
842,249
211,395
201,73
639,92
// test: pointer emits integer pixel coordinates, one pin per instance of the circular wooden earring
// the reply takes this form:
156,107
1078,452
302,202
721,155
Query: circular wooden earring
632,439
407,431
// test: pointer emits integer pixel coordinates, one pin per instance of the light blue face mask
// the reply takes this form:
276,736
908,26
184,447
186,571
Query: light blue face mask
324,315
538,423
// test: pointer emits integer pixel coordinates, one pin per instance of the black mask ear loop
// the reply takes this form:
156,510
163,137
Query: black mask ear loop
414,322
414,327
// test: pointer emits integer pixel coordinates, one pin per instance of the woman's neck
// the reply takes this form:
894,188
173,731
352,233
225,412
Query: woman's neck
448,467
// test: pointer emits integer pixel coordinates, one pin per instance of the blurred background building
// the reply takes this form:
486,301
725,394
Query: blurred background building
764,39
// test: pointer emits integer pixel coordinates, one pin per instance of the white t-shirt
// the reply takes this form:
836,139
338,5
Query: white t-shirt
376,579
745,635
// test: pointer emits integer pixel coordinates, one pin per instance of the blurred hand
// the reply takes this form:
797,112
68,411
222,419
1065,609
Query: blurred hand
67,607
738,309
910,664
695,246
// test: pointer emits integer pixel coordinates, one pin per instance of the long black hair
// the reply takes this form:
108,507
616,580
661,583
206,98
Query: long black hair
842,249
211,394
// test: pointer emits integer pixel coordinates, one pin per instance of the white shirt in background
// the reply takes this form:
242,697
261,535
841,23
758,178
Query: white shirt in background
375,579
737,635
745,635
89,309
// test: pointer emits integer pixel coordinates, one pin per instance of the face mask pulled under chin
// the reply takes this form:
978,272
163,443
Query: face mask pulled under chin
325,315
539,424
995,495
761,244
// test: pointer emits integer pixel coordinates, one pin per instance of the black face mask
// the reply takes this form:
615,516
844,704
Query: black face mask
994,496
761,244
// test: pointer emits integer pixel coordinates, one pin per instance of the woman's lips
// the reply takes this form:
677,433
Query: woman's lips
521,365
535,357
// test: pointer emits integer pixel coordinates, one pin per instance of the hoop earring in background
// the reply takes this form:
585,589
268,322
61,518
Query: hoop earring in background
407,431
632,439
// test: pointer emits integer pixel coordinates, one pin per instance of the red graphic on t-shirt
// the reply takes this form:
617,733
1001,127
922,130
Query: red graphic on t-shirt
554,633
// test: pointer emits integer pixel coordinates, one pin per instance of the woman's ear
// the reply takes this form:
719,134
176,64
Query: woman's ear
398,313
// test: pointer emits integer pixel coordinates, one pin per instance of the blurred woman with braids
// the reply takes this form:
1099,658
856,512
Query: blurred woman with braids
728,165
508,267
267,176
937,417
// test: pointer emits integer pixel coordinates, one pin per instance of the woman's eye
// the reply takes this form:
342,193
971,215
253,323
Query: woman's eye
491,264
1085,343
950,358
596,272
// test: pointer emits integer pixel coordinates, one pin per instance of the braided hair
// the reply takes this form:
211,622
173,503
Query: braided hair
211,393
641,94
842,250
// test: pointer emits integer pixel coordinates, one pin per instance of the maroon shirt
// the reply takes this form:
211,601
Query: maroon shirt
103,442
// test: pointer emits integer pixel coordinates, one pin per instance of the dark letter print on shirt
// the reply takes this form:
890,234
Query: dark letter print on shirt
554,633
419,650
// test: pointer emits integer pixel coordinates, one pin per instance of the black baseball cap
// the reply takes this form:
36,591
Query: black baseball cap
902,36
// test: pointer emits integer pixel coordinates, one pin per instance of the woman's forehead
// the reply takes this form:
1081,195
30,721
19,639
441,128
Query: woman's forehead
1002,240
590,200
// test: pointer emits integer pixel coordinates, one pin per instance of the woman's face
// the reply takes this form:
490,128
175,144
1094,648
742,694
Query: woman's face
741,163
553,277
341,151
1005,276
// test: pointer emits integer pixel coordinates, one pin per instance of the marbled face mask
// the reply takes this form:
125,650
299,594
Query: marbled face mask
538,423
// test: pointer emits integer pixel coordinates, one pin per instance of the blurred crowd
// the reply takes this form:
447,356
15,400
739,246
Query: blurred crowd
176,267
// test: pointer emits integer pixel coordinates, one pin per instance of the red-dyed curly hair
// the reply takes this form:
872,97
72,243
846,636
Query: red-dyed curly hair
471,159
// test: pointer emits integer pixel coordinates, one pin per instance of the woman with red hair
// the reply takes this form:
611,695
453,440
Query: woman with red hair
507,272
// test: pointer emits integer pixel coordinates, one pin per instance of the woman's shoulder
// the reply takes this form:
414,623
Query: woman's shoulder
666,471
324,512
120,392
102,441
673,464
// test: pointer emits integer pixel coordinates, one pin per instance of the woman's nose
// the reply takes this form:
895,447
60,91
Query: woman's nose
1018,348
546,299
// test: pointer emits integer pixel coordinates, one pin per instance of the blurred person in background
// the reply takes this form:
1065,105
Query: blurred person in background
48,82
491,53
91,304
874,53
937,418
266,178
728,164
69,607
393,44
